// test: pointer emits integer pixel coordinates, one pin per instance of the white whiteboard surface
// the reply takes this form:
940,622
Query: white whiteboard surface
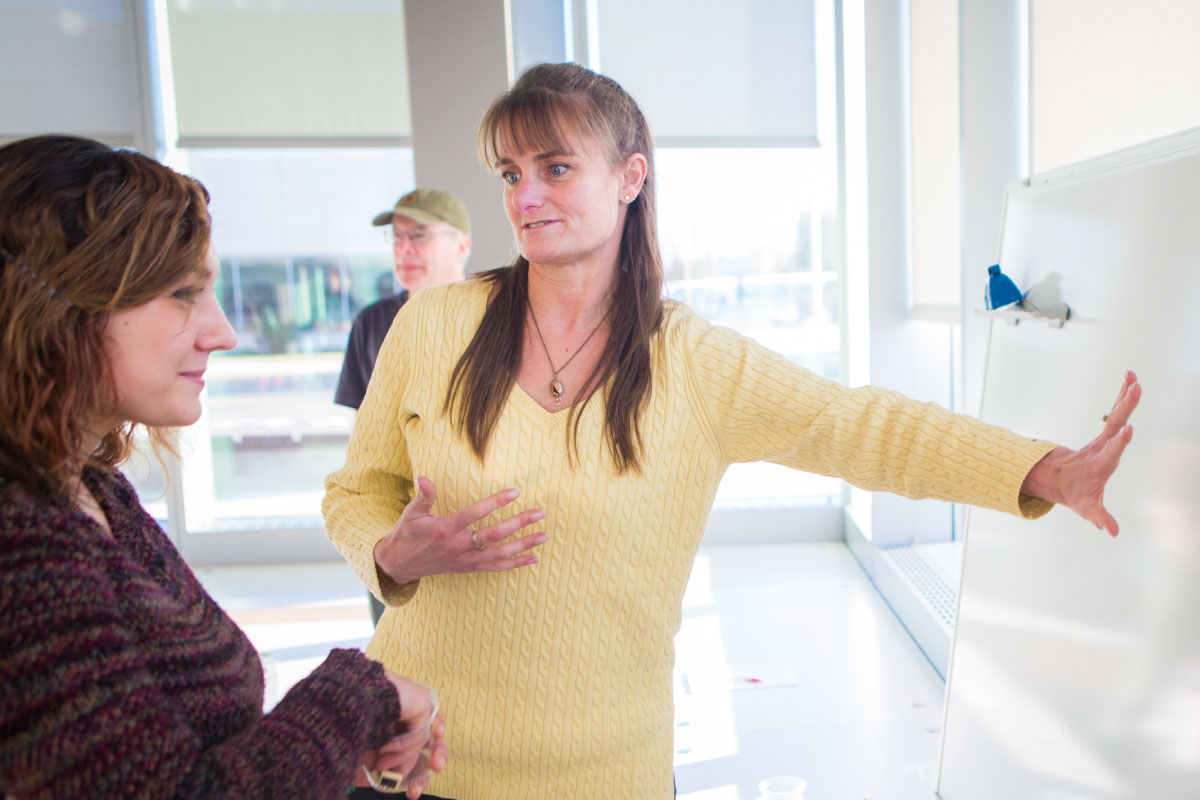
1075,671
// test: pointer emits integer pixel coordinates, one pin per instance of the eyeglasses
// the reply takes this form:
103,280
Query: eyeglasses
418,236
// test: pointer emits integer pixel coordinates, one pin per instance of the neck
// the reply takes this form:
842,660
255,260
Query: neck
90,439
88,504
571,295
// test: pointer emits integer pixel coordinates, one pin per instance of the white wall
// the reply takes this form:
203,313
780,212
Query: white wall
995,136
458,61
904,354
1108,74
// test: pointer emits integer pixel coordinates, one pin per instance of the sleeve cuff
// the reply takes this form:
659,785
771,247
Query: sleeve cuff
1033,507
392,593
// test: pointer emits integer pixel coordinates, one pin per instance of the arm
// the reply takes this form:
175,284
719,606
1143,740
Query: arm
83,712
763,407
377,514
364,499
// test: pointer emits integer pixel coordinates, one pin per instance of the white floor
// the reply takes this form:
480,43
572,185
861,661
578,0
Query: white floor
788,663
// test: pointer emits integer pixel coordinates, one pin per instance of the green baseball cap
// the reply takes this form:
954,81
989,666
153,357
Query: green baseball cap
429,207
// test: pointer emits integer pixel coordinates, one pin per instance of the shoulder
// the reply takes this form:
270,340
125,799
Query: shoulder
679,317
21,505
682,328
34,527
450,305
114,485
381,312
450,296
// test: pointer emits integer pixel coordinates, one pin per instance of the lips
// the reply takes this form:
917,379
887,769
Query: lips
194,375
533,226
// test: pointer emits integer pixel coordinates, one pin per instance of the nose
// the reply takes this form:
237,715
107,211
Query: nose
528,194
215,331
402,243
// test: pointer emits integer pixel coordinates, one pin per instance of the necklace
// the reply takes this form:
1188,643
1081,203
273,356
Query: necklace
556,387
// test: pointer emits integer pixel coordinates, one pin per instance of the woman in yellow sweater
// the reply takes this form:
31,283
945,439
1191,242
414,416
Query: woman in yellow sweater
615,413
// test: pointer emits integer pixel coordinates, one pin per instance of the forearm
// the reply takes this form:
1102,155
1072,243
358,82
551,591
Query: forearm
203,731
316,735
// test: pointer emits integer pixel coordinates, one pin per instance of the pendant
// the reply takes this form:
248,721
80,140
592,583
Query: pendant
556,389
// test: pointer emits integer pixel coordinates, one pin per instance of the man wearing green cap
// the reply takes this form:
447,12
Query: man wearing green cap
430,234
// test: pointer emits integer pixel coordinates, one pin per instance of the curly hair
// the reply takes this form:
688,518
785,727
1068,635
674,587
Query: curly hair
85,230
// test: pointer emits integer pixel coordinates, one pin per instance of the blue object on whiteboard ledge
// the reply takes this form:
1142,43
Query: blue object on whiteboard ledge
1000,291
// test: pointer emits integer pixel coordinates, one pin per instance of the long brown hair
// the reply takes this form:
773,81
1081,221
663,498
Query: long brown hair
85,230
546,105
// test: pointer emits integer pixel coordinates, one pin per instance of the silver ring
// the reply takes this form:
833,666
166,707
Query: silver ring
475,542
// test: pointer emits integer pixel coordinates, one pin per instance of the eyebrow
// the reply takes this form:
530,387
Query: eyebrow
546,156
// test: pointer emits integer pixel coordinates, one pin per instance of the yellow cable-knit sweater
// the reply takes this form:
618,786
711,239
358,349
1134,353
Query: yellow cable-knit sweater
555,679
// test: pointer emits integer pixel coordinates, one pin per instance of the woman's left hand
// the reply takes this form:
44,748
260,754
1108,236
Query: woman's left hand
1076,478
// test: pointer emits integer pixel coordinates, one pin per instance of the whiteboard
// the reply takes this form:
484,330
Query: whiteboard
1075,668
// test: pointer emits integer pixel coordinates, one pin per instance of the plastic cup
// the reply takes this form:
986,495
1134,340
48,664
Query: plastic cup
782,788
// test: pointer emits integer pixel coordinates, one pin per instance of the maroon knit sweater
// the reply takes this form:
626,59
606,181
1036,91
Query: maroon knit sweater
121,677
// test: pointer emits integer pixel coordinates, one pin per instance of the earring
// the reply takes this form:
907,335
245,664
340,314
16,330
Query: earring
625,198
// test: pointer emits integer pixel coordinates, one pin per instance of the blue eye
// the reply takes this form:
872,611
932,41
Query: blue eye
509,177
558,170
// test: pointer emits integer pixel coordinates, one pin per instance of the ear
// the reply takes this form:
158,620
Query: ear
464,248
633,177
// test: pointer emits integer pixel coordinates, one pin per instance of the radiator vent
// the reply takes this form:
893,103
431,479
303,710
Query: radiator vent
925,580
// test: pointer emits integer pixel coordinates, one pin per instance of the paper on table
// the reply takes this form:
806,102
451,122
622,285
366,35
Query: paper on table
742,676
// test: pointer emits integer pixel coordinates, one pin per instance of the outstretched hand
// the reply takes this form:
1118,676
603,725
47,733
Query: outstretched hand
423,543
1076,478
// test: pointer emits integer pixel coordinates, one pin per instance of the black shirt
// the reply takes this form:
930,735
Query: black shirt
366,337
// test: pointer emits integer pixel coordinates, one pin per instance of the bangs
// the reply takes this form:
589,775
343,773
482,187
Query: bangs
167,240
539,121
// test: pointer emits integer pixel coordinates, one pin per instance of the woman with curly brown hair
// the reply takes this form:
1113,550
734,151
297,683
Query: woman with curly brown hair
119,675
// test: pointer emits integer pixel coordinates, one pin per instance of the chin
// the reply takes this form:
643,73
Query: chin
190,418
177,418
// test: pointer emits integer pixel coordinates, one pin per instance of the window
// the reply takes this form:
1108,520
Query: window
69,65
299,258
766,266
748,221
936,179
748,181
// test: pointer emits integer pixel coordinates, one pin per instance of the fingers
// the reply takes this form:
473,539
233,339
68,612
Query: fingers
1106,522
424,543
1127,400
1110,454
502,530
514,554
441,751
482,508
479,539
418,786
423,500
